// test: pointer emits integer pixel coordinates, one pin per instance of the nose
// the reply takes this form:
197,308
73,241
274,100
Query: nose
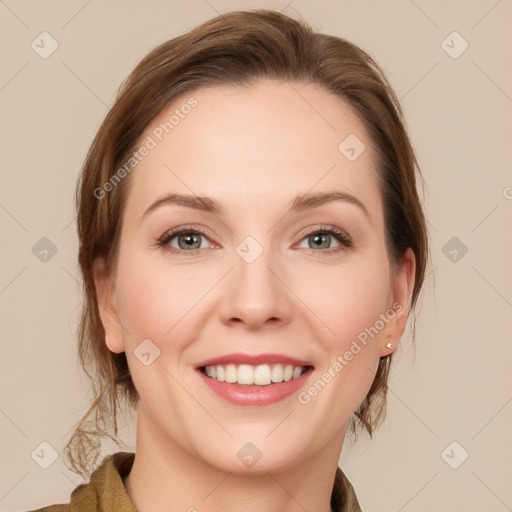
255,294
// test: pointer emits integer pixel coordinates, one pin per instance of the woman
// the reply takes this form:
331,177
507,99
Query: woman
252,244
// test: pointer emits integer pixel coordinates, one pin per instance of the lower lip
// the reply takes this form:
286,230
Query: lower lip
239,394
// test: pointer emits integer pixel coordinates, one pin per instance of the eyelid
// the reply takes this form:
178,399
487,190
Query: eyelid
322,227
172,233
345,238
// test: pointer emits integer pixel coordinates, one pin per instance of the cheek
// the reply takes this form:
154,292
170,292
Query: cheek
154,298
154,303
146,308
354,298
347,298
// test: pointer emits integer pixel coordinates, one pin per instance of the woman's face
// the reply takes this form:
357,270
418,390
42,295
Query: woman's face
283,261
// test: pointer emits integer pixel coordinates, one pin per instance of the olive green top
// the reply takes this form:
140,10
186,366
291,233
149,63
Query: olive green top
106,492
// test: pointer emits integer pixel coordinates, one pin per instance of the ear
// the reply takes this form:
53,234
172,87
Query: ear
107,304
402,287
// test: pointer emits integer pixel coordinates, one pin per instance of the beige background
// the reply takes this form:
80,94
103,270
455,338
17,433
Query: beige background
456,388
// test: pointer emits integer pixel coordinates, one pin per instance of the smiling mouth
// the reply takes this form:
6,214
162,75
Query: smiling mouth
254,375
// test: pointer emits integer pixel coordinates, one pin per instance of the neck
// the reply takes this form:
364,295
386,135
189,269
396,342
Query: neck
163,473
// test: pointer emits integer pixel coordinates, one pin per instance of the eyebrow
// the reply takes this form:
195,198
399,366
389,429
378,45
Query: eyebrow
298,204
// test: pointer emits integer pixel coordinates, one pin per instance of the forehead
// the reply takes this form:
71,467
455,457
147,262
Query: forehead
272,140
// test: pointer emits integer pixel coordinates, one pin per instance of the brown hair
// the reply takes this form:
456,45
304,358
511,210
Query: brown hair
233,49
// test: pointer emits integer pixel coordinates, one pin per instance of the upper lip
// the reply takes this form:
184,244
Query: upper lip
253,360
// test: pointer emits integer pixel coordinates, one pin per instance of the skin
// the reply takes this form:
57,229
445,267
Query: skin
252,150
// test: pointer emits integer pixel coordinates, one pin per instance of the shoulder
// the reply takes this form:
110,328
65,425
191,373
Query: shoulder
343,498
105,490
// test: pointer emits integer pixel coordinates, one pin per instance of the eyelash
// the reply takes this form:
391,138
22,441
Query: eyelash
341,236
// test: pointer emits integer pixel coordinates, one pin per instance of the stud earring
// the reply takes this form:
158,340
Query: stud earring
389,345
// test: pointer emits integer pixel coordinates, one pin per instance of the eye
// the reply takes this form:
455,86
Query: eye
185,240
326,239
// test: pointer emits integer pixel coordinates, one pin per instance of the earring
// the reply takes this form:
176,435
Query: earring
389,345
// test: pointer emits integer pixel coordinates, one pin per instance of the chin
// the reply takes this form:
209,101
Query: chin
252,455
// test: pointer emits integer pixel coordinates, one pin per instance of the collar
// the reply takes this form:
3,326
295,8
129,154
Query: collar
106,492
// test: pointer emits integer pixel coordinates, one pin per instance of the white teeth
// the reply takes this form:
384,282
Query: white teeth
231,373
261,375
277,373
245,374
